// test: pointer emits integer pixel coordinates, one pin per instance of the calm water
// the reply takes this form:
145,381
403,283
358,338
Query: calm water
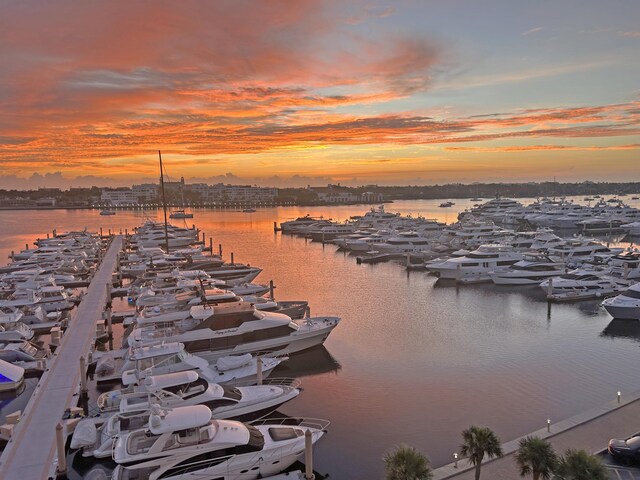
412,361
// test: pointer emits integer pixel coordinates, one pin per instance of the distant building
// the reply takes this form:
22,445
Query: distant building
222,193
372,197
146,192
335,194
121,196
46,202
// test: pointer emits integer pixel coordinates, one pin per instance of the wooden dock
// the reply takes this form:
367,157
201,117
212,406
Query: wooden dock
31,452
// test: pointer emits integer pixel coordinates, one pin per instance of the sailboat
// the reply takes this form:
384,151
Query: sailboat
180,214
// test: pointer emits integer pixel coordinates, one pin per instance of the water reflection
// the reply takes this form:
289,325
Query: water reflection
315,361
629,329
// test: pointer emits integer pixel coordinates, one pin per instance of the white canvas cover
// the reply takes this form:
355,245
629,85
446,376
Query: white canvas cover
233,361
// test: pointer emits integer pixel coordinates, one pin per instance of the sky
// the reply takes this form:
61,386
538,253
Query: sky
310,92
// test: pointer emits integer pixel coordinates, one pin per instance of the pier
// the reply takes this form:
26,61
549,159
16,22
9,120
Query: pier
31,452
590,431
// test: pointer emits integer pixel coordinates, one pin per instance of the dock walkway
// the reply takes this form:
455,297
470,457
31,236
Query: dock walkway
590,430
31,452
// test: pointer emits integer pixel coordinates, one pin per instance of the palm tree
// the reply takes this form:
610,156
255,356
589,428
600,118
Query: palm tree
580,465
536,456
478,442
407,463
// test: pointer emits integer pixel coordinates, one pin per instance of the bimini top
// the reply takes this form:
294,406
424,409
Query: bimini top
161,382
180,418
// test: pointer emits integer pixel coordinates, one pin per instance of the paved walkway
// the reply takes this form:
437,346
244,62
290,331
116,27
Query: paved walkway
590,431
31,453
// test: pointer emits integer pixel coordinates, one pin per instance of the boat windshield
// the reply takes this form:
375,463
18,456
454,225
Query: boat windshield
632,294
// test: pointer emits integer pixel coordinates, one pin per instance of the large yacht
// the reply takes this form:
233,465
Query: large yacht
531,270
237,328
191,444
581,284
480,262
626,305
189,388
404,242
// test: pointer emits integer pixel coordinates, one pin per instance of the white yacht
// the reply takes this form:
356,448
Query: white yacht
404,242
626,305
626,264
580,284
632,228
238,328
476,265
170,357
191,444
531,270
188,388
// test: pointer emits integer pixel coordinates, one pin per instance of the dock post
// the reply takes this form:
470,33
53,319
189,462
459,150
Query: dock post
308,456
308,311
62,458
54,233
275,227
109,286
84,391
271,287
259,369
12,255
550,288
203,238
220,249
232,262
109,323
100,232
408,259
211,245
26,247
619,394
47,235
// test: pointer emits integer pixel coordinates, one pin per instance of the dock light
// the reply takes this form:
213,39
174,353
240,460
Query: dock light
548,425
455,460
619,396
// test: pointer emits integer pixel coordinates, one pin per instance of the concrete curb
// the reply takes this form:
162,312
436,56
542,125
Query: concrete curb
508,448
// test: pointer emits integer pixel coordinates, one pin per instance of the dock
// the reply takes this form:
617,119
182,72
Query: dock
590,431
31,451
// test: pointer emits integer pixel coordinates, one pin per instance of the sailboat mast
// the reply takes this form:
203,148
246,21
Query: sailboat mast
164,204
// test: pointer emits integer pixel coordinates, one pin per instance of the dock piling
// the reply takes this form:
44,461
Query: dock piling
220,249
62,458
271,287
232,262
259,370
308,456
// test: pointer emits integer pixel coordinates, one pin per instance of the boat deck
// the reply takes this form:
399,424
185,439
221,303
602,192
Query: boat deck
31,452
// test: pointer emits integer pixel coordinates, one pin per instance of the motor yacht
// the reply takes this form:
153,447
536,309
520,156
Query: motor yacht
626,305
191,443
531,270
477,265
404,242
12,327
238,328
170,357
580,284
189,388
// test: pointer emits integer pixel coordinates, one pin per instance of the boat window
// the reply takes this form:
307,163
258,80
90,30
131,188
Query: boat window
505,262
469,264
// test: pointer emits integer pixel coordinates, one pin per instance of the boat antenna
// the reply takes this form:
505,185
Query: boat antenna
164,204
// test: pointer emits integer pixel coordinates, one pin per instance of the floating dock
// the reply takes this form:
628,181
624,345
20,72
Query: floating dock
31,451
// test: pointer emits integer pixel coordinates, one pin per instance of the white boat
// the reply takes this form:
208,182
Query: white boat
192,444
165,358
238,328
581,284
107,212
188,388
404,242
477,264
626,305
531,270
180,214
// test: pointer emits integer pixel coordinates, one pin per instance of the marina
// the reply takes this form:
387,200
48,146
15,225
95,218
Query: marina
546,345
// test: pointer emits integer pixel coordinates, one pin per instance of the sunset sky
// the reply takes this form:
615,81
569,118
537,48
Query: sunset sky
417,92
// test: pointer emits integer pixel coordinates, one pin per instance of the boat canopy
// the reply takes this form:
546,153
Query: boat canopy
181,418
160,382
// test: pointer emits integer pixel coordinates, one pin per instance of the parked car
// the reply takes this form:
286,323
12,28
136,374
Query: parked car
627,450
